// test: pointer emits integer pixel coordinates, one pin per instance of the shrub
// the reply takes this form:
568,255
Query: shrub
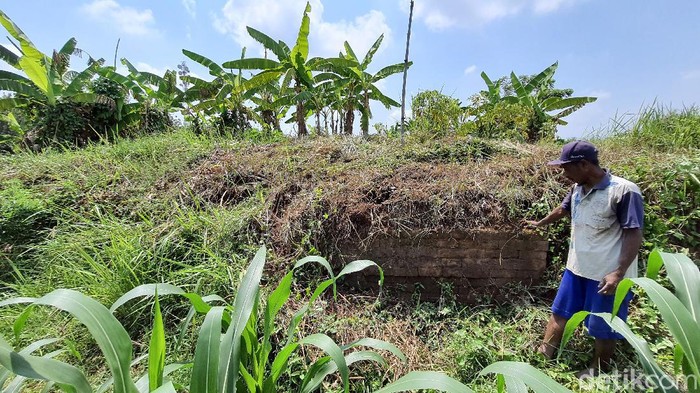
434,115
234,350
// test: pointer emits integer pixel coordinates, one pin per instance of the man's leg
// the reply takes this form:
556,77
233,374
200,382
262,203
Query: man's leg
602,357
569,299
604,351
552,336
605,338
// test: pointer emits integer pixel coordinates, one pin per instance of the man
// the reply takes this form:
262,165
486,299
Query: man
606,214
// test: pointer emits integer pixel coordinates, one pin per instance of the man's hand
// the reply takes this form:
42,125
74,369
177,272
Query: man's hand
609,283
530,224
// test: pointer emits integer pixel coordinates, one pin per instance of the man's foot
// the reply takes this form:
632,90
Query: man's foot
590,372
548,351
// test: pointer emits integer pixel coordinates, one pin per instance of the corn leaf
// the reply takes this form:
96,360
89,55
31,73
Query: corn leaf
514,385
329,346
651,368
206,357
279,365
359,265
328,368
684,275
678,319
104,328
377,344
18,382
147,290
416,380
242,309
156,349
142,383
35,367
532,377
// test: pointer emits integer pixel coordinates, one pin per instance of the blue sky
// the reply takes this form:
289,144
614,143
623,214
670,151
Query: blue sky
628,53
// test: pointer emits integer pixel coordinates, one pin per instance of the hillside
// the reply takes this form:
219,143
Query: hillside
192,210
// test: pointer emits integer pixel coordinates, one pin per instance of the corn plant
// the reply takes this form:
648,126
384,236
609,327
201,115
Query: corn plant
519,377
234,350
680,312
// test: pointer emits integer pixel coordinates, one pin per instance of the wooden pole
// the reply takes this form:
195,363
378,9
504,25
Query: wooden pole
405,73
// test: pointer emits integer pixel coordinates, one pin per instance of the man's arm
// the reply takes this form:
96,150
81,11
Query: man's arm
555,215
631,243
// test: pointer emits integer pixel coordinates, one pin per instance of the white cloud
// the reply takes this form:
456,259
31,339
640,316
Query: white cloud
601,94
160,71
360,34
470,69
547,6
126,19
281,19
145,67
445,14
190,7
691,74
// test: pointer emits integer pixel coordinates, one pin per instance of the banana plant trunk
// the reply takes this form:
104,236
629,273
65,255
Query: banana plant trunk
318,122
365,124
301,121
349,116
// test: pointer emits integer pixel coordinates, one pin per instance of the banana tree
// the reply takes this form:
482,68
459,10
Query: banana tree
47,79
542,104
359,85
535,93
147,92
294,67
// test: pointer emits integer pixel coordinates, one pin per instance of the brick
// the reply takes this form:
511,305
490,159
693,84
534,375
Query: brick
430,271
402,272
533,255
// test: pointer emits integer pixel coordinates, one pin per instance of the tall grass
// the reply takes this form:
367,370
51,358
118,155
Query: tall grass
656,126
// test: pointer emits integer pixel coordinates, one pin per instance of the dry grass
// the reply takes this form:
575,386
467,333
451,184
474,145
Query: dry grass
351,190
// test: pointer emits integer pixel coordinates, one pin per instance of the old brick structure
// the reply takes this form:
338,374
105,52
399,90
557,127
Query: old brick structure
473,263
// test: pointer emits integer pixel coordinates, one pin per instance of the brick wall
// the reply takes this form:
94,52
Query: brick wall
472,262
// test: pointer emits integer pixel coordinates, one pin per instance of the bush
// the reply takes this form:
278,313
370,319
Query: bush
661,128
434,115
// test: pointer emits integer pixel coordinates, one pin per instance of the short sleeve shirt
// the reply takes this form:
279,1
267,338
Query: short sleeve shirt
597,221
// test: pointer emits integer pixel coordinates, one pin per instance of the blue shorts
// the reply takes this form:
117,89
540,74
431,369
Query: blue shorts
578,294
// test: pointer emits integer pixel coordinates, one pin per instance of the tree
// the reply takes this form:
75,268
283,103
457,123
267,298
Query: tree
291,65
224,96
434,114
61,105
47,80
359,85
536,92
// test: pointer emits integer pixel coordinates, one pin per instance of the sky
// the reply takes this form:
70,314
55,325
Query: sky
628,53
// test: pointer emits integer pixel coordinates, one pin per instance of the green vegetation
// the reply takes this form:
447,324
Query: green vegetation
187,209
238,359
146,209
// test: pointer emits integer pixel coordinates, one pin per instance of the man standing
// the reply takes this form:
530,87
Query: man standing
607,214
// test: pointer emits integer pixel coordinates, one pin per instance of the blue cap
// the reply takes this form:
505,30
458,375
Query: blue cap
576,151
